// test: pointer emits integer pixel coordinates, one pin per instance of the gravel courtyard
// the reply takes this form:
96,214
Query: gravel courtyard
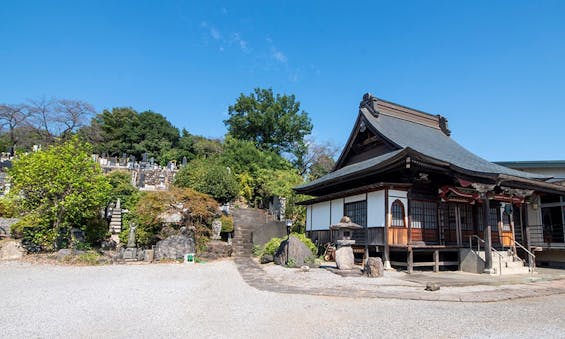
212,301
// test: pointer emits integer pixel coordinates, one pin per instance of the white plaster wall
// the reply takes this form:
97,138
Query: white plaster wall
376,209
337,211
354,198
321,216
309,217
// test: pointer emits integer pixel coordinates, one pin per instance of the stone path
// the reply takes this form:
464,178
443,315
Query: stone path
254,275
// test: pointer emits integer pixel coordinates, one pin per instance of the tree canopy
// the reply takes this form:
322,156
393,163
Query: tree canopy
58,188
272,122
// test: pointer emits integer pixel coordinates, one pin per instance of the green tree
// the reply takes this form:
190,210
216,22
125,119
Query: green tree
119,131
280,183
59,187
243,156
272,122
123,130
208,176
122,189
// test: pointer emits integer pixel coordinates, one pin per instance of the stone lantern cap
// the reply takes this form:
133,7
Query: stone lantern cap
345,223
345,228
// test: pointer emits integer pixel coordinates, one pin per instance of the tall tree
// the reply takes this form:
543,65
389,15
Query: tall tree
119,131
12,117
272,122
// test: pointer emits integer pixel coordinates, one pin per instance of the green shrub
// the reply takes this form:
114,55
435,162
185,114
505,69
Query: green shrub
272,246
257,250
227,223
36,233
88,258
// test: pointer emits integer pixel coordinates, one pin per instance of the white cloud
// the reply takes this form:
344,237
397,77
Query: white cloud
236,38
278,55
215,34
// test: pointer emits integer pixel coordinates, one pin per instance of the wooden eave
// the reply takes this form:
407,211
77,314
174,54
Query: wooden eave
357,190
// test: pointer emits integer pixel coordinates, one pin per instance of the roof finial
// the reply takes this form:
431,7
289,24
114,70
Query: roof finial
369,103
443,125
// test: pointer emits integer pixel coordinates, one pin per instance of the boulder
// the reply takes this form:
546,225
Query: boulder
298,253
11,250
174,247
266,258
219,249
344,258
374,268
109,245
66,253
432,286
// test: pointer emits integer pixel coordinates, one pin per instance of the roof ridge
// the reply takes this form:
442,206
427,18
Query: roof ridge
375,106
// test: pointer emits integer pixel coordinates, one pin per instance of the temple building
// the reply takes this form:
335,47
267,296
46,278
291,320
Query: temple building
424,200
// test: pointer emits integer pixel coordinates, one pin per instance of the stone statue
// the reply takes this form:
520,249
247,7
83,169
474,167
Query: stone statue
131,236
216,228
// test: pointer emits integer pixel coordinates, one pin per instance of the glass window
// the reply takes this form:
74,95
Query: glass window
423,214
357,211
397,211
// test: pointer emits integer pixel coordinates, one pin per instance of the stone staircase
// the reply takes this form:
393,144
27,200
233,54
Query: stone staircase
245,221
116,222
506,263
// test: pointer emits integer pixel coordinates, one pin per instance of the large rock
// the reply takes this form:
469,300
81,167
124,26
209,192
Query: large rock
11,250
219,249
297,252
344,258
374,268
174,247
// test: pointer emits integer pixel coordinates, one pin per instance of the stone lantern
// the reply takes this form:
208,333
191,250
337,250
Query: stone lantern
344,254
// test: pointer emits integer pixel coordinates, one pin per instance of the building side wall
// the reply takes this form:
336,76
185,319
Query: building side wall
376,209
336,211
309,217
321,216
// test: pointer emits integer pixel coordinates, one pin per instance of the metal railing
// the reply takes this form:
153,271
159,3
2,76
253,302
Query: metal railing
479,241
531,256
545,236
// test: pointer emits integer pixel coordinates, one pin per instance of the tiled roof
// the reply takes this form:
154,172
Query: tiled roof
421,137
435,144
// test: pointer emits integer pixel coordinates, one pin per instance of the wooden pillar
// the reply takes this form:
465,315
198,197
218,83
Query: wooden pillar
388,218
436,260
512,228
488,237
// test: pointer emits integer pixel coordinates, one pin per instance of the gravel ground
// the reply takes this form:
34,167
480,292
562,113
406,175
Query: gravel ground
212,301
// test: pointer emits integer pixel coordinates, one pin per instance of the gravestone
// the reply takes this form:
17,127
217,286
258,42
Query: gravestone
216,229
130,253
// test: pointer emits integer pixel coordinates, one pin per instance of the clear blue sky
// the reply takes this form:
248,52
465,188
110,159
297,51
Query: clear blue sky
495,69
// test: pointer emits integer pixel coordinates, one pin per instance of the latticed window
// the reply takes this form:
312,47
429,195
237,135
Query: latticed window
466,217
492,217
423,214
357,211
397,211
